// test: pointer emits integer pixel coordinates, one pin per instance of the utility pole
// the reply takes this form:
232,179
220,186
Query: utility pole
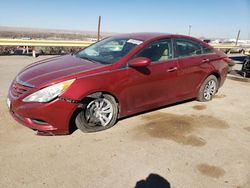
237,38
99,28
189,30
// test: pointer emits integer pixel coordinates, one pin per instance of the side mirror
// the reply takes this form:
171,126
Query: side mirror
140,62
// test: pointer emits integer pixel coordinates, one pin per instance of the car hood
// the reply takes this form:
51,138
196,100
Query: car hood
54,69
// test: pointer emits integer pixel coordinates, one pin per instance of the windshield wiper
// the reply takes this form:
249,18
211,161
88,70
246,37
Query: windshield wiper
89,59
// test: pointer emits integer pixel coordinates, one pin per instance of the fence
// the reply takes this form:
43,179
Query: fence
56,43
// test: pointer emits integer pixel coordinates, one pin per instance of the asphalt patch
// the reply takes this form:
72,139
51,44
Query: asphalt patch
199,107
178,128
211,171
247,128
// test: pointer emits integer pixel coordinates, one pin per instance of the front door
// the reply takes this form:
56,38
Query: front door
154,85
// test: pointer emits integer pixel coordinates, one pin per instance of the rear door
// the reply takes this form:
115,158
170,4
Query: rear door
193,66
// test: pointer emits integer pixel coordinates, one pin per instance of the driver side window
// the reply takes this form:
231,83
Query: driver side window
160,50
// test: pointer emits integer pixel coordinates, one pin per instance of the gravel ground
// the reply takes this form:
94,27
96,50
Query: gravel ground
190,144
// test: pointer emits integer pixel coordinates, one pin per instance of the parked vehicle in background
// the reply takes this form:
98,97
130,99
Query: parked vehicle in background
116,77
21,50
246,67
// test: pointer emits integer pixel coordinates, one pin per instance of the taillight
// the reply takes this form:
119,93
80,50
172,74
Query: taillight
226,60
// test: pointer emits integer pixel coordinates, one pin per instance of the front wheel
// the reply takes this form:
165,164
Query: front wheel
208,89
97,114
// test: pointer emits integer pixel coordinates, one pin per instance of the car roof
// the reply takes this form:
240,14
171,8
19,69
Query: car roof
144,36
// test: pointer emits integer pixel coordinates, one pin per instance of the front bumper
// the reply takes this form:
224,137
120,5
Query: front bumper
51,118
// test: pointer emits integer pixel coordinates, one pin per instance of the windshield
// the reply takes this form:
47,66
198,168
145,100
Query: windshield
108,51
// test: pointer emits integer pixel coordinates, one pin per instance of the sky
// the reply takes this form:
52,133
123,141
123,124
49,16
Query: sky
208,18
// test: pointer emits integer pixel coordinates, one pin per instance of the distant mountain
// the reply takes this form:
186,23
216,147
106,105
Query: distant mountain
53,34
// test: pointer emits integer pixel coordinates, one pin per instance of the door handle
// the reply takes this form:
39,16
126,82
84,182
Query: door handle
172,69
205,60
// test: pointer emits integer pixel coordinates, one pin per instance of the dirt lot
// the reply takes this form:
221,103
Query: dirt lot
189,145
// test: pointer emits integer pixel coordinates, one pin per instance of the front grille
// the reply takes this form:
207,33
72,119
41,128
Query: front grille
18,89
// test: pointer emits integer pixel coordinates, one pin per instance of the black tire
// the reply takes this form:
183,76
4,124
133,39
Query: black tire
246,64
245,70
87,127
203,95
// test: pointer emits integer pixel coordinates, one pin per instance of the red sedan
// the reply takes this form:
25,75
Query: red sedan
113,78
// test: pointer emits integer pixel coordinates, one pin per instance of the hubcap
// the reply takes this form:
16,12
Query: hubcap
99,112
210,89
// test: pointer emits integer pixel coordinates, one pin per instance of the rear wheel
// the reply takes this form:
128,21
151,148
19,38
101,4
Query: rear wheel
97,114
208,89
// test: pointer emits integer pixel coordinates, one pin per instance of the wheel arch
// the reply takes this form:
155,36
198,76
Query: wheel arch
217,75
94,94
72,125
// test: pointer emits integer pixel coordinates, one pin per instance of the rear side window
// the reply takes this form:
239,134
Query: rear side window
207,50
160,50
185,47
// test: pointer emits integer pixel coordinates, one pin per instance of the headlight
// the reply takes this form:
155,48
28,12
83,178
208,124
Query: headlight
48,93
